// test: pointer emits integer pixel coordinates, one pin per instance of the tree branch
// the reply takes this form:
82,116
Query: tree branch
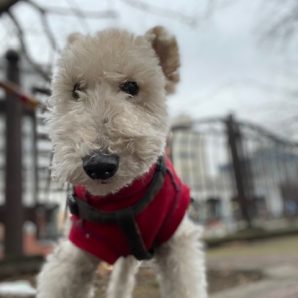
284,23
5,5
79,14
21,37
141,5
45,24
88,14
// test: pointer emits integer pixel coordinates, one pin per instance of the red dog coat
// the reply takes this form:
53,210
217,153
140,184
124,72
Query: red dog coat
156,223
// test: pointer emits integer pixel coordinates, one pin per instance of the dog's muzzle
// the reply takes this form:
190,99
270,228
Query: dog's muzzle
100,165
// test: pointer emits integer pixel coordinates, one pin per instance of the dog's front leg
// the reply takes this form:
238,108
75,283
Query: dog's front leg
68,273
122,280
181,264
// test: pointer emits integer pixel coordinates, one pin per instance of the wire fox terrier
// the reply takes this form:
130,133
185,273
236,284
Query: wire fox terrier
108,124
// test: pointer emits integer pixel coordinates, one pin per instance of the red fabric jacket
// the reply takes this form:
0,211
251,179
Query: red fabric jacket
157,222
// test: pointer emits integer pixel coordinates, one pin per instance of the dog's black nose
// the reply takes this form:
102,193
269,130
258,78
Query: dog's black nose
100,165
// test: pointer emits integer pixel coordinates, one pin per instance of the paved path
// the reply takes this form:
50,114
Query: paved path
282,285
278,259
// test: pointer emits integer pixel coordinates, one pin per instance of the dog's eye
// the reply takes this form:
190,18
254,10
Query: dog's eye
130,88
75,91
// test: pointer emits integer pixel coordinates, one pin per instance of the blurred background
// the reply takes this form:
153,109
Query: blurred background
233,138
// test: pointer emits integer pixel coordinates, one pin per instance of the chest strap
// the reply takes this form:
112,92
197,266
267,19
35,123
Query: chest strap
124,218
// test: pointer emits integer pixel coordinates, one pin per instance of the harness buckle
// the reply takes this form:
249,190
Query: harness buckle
73,205
160,165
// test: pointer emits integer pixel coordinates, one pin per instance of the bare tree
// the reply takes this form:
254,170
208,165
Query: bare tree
279,21
5,5
6,8
82,15
278,27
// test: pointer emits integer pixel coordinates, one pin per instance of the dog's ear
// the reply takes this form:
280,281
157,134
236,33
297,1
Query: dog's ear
166,49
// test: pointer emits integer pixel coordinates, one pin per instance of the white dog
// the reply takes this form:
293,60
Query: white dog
108,124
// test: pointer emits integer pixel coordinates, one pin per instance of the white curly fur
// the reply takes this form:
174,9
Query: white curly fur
134,128
104,117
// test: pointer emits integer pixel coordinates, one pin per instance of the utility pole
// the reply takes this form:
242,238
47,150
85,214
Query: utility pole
236,153
13,174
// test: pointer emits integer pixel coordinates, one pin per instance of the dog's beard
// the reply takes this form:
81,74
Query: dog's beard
137,152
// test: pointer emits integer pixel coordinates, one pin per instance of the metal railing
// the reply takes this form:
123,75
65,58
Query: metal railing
237,170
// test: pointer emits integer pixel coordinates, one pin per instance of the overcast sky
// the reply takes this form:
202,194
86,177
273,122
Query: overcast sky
224,67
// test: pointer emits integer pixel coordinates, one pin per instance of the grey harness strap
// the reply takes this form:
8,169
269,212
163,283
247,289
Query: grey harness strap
124,218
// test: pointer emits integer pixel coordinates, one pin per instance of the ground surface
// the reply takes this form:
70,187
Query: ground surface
278,260
263,269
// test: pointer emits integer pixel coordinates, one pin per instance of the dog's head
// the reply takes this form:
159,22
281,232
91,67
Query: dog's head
108,117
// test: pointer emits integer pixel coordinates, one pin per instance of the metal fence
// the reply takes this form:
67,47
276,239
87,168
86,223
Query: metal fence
237,170
25,152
